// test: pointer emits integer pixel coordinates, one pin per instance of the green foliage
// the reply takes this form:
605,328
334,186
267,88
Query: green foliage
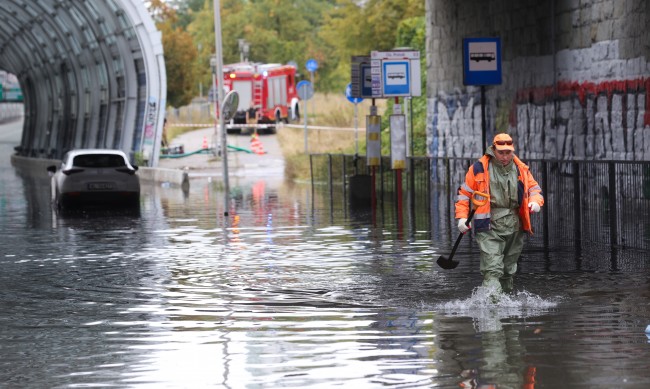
139,159
357,28
329,31
179,54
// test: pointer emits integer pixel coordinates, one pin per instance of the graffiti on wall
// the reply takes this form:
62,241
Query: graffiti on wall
584,120
575,118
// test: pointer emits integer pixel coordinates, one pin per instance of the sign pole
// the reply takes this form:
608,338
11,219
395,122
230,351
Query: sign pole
482,66
311,79
306,144
305,92
483,123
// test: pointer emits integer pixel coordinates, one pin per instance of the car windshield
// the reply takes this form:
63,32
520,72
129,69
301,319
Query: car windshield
98,160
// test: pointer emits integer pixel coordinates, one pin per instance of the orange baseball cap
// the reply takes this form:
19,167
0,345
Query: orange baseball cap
503,142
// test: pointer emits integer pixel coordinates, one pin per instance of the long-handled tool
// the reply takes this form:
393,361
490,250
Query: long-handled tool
449,263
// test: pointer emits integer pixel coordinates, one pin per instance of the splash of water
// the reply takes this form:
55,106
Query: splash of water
489,299
487,307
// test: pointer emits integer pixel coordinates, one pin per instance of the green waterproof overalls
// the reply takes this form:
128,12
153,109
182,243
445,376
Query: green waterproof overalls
502,244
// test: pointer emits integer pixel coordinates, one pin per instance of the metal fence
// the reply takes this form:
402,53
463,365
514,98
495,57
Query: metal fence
586,202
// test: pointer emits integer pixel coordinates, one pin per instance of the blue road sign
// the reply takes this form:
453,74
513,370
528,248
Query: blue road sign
348,95
305,90
311,65
482,61
396,78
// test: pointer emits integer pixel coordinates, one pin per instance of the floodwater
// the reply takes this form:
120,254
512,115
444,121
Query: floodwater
293,290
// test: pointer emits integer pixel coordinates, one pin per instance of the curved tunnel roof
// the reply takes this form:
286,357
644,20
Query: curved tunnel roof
92,75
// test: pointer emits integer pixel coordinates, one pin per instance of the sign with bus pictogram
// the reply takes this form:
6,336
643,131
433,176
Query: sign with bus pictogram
482,61
395,73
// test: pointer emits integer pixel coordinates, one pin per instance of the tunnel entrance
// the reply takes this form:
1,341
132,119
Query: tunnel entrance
92,75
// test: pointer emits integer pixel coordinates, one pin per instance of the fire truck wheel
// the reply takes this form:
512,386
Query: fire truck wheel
295,115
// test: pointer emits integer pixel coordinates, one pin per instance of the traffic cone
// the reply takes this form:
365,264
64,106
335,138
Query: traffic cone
256,144
205,142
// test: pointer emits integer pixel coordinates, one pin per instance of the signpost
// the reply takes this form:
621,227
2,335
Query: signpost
305,92
312,66
393,74
482,66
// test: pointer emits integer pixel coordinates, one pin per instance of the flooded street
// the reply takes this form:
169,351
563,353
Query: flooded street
291,290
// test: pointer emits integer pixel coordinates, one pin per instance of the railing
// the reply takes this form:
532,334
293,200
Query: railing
586,202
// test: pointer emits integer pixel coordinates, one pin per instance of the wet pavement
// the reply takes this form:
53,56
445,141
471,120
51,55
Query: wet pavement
242,162
294,290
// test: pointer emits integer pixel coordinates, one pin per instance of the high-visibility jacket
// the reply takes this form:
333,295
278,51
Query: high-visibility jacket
478,179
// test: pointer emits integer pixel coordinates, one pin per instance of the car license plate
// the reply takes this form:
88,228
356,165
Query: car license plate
100,186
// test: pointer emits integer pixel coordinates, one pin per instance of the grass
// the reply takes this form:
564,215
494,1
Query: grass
334,109
292,143
331,110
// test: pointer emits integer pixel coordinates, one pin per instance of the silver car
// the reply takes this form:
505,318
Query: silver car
94,177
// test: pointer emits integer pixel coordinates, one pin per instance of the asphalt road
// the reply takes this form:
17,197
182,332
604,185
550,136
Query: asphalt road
240,163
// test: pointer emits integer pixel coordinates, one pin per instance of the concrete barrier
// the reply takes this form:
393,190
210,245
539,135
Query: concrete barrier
173,177
37,167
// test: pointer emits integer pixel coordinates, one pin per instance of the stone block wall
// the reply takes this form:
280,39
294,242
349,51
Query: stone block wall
576,78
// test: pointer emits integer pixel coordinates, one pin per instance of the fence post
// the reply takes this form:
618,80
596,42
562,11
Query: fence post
345,192
311,172
546,208
577,211
329,172
612,204
429,162
448,194
411,174
381,181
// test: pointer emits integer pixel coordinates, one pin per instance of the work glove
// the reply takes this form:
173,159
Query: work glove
462,227
533,206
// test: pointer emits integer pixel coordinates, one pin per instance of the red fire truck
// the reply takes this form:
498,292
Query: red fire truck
267,95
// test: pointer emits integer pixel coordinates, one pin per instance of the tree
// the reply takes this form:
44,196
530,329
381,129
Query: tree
179,53
357,28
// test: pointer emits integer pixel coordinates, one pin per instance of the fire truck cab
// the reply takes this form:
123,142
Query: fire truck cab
267,95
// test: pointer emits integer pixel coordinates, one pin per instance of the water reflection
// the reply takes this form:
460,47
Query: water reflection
294,290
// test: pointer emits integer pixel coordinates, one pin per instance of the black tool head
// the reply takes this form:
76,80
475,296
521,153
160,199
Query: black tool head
446,264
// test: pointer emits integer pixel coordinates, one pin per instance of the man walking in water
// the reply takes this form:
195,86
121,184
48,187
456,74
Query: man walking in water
500,223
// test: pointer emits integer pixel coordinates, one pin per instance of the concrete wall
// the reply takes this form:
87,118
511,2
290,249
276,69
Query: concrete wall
575,78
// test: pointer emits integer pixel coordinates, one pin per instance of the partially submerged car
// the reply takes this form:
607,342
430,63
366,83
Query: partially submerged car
94,177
